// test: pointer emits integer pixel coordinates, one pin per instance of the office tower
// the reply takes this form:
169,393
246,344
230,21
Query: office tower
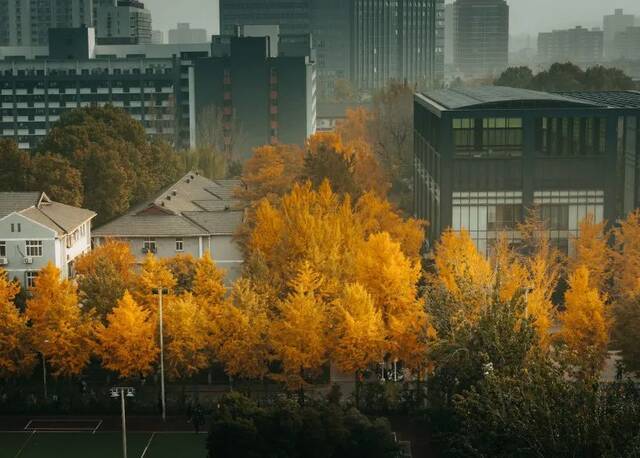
481,37
27,22
183,34
483,156
613,24
252,98
157,37
400,40
122,22
368,42
449,33
577,45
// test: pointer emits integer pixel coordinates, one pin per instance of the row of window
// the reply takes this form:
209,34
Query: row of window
149,245
486,214
33,249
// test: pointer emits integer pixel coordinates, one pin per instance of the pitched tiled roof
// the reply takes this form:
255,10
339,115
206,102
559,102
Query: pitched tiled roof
61,218
193,206
17,201
218,223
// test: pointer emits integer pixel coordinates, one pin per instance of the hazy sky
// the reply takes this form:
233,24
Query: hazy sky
527,16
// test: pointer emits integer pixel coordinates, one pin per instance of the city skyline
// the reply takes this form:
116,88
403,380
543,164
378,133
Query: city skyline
526,18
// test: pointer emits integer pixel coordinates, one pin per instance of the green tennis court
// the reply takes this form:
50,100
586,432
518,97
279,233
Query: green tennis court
37,444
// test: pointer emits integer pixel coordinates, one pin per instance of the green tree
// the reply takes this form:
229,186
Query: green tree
56,176
601,78
559,77
14,167
520,77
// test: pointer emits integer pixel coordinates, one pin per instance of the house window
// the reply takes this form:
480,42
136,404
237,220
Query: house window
34,248
3,249
149,246
30,278
180,245
16,227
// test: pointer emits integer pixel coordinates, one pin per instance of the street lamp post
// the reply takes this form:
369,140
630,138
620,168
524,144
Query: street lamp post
44,374
121,392
160,292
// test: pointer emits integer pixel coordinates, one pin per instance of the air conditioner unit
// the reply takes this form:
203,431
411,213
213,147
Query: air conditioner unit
4,261
28,260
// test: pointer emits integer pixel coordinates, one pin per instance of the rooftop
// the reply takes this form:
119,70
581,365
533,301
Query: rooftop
192,206
501,97
61,218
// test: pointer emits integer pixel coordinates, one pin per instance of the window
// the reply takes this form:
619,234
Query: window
179,245
3,249
30,278
464,133
149,246
563,211
571,136
16,227
501,132
34,248
486,215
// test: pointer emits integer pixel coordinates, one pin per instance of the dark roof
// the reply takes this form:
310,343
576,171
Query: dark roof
150,226
219,223
17,201
611,99
500,97
61,218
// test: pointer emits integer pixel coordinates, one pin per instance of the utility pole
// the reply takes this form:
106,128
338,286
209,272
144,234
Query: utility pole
121,392
160,291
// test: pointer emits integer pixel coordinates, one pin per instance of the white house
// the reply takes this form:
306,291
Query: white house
34,231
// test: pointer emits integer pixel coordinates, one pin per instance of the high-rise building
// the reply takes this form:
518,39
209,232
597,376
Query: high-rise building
184,34
613,24
27,22
481,37
157,37
449,33
484,156
122,22
250,98
627,44
368,42
577,45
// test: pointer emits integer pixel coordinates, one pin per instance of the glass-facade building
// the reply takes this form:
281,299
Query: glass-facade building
484,156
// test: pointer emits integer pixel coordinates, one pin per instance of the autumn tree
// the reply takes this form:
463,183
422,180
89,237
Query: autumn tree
208,281
463,271
60,330
104,274
585,328
271,172
154,275
298,334
16,356
241,333
186,337
626,257
591,250
359,331
127,343
625,331
183,270
511,273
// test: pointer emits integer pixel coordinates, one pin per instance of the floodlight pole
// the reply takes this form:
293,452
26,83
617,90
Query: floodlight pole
162,391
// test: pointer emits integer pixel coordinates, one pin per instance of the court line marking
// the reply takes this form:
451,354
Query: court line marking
33,433
144,452
28,424
96,428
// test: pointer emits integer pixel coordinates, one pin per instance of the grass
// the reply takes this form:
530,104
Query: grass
101,445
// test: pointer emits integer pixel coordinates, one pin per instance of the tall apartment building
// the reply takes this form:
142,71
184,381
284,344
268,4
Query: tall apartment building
231,91
255,98
483,156
368,42
184,34
449,33
27,22
577,45
481,37
122,22
627,44
612,25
